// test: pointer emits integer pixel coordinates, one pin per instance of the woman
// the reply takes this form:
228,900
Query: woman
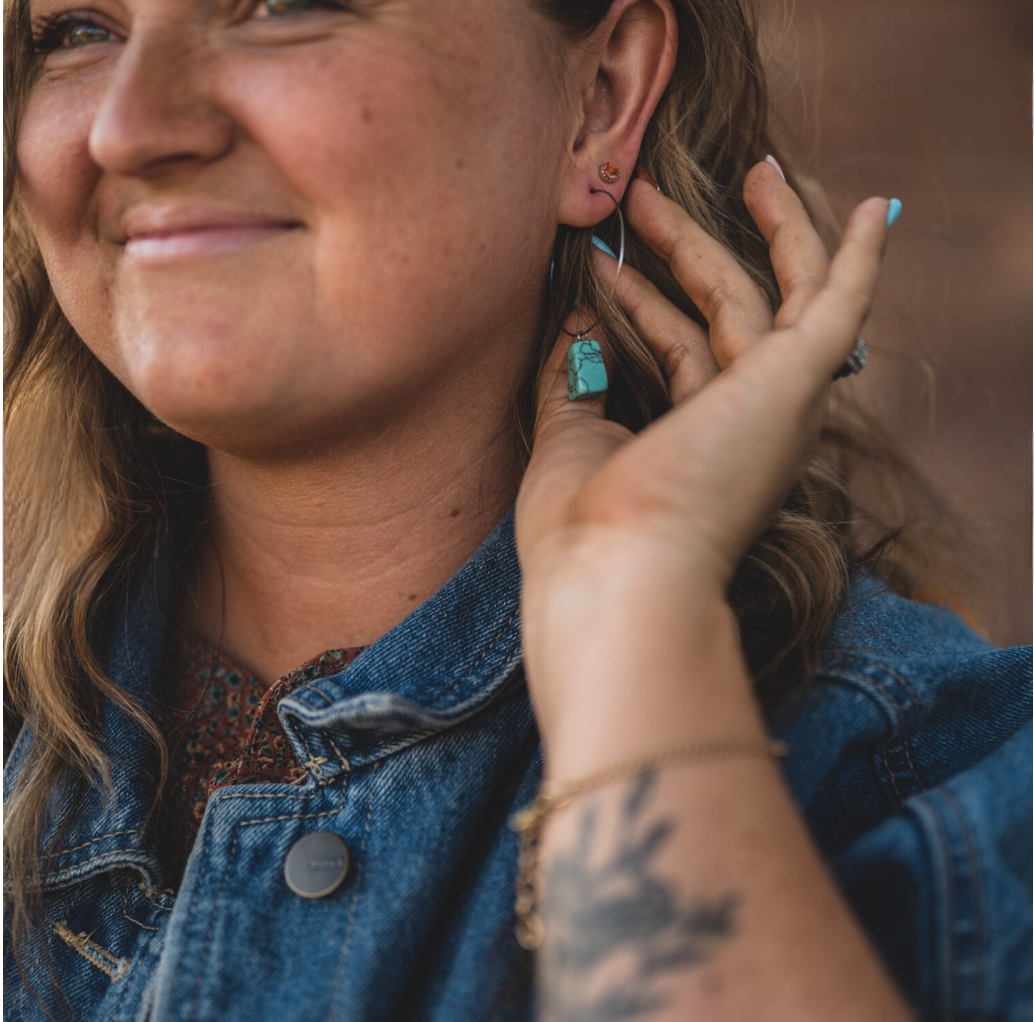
304,370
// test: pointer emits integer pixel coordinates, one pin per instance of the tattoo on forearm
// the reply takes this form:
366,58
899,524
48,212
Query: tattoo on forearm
614,930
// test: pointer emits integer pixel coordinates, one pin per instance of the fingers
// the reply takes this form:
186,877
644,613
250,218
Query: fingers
678,343
798,255
826,329
736,309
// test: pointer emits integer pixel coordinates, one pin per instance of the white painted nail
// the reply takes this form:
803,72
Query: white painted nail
775,163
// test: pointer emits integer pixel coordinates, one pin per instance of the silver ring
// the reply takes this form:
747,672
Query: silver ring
855,361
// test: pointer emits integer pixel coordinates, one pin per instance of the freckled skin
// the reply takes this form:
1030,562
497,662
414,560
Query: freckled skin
353,378
418,144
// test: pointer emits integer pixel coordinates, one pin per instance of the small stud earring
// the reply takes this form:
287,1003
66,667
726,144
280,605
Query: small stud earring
609,172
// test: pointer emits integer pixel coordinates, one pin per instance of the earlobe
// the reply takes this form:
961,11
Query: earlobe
632,58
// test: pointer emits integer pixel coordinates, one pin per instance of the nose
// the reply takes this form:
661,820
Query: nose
158,109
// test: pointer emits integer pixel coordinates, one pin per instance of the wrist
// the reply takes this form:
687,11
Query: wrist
627,669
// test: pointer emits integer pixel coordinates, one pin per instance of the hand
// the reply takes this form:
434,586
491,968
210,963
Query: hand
678,505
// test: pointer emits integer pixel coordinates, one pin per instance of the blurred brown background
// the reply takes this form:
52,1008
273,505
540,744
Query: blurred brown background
930,101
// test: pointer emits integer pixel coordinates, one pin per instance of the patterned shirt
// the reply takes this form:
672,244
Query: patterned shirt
225,731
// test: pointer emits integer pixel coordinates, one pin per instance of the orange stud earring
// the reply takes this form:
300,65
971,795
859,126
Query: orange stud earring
609,172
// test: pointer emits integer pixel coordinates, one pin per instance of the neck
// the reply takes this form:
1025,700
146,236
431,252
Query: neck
335,549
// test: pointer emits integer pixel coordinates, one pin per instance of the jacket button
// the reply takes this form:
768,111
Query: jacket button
316,864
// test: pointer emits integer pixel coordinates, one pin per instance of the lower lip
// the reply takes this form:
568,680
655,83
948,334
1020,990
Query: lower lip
208,241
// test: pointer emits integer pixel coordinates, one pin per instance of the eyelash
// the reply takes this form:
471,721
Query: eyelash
49,30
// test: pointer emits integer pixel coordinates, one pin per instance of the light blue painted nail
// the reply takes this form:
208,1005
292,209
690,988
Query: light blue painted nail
586,371
604,247
893,211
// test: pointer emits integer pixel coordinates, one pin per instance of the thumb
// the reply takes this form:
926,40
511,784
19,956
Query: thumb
572,438
573,383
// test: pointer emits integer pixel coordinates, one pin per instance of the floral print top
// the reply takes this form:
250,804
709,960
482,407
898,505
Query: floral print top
225,731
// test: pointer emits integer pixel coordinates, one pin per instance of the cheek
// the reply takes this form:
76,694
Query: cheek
55,173
56,180
418,167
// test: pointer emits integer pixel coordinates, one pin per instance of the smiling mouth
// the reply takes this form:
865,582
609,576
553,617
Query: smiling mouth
202,241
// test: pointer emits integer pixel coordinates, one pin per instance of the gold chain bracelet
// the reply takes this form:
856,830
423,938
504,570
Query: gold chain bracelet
552,796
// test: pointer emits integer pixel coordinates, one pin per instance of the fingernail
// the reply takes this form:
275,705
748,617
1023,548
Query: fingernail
604,247
893,211
775,163
586,371
647,177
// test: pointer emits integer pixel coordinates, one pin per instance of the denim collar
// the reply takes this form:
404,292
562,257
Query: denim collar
446,660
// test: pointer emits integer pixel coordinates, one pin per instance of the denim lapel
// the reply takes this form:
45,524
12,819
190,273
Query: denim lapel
444,661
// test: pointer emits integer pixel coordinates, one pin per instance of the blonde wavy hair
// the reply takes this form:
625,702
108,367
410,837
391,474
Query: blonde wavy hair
89,480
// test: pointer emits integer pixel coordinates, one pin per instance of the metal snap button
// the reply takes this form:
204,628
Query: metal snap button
316,864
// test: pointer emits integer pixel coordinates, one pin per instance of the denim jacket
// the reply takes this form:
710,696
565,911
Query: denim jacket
910,761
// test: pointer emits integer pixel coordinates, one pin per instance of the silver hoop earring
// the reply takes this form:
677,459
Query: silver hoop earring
617,275
586,369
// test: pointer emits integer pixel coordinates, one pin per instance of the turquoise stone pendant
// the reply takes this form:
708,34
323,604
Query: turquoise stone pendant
586,371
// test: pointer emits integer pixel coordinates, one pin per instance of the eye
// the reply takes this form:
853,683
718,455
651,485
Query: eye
291,8
286,8
66,31
70,31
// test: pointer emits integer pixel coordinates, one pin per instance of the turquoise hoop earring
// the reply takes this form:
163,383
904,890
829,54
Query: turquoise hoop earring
586,370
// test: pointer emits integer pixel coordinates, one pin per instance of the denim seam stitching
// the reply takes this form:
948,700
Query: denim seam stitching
405,743
199,976
152,893
419,736
92,841
323,695
880,748
947,856
905,737
863,662
340,755
126,915
275,794
861,655
890,774
495,638
973,859
467,677
222,884
916,707
289,816
313,762
510,657
82,945
898,724
902,741
355,893
187,923
86,862
122,996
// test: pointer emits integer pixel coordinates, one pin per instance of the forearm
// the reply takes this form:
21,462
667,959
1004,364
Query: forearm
695,890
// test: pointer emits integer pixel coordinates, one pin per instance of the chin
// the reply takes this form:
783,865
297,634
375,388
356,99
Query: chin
216,401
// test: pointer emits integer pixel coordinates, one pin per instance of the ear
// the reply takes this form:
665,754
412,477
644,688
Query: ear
625,69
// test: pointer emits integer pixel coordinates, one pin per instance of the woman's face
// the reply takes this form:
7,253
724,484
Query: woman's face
280,219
